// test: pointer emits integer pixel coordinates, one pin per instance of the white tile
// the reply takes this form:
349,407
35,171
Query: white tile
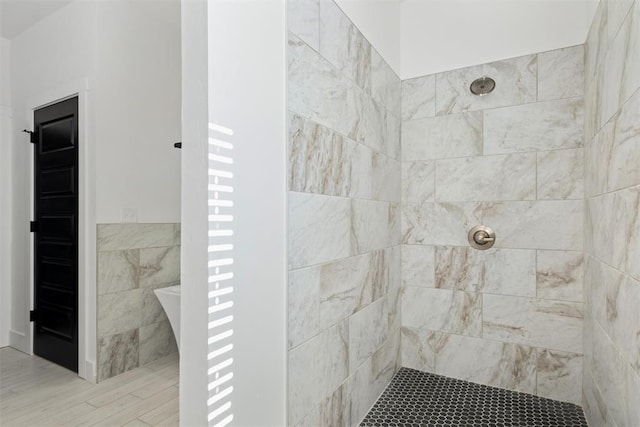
159,266
486,178
418,182
119,312
560,275
369,221
418,266
419,97
418,348
528,321
368,329
445,224
113,237
516,81
455,135
540,126
118,271
561,73
386,87
560,174
559,376
303,19
303,305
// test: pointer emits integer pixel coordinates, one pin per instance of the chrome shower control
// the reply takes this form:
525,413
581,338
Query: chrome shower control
482,237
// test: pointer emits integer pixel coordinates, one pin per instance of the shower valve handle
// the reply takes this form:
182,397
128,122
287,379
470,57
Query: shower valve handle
481,237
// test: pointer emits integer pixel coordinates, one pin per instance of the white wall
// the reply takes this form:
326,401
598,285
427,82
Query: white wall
379,22
245,83
5,191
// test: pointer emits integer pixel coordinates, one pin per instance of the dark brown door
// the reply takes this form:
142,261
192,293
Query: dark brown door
56,233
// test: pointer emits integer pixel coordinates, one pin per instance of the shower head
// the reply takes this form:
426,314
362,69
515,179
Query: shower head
482,86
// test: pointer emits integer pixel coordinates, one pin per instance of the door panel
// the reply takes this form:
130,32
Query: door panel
56,236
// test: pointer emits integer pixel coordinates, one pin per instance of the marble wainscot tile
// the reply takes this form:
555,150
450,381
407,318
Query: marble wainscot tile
631,77
624,156
560,275
418,348
486,178
386,86
455,135
335,409
177,234
312,419
609,373
303,19
516,81
493,363
444,224
418,265
541,126
528,321
386,178
118,271
560,174
368,330
598,157
159,266
442,310
559,375
549,224
348,285
386,361
325,162
317,229
363,396
418,182
344,46
119,312
307,387
304,305
117,354
369,220
419,97
561,73
595,408
152,311
496,271
596,45
112,237
156,341
318,91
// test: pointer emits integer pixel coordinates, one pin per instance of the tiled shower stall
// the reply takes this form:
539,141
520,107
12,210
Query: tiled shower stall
386,178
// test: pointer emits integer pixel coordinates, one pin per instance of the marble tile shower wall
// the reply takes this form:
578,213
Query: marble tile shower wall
611,394
344,218
511,316
133,260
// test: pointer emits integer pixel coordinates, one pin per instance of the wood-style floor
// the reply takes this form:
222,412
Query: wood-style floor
35,392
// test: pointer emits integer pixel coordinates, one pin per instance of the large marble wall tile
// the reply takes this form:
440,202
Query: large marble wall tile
113,237
368,218
597,41
487,178
342,44
303,19
419,97
368,330
349,285
303,305
549,224
624,156
617,11
442,310
159,266
395,224
498,364
598,156
325,162
386,86
151,309
385,178
119,312
456,135
418,182
609,374
318,91
362,394
632,397
611,76
418,265
393,136
496,271
560,174
559,376
516,84
445,224
118,271
528,321
561,73
335,409
312,375
418,347
156,341
540,126
631,77
318,226
560,275
117,354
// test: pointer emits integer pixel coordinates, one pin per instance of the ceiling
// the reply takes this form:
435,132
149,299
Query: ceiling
18,15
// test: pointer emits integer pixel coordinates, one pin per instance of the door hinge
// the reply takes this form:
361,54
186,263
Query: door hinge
33,137
34,226
32,316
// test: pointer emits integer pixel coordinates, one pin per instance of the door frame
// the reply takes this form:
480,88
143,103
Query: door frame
87,252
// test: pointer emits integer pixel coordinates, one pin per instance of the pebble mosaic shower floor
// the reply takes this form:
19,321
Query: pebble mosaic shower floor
420,399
